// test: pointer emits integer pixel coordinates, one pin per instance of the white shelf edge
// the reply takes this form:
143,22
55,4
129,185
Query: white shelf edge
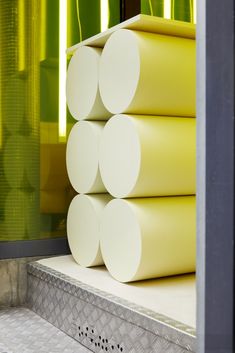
143,23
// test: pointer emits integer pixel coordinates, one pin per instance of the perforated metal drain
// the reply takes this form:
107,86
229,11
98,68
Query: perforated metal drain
90,338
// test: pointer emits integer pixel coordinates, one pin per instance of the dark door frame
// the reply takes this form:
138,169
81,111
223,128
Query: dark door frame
215,176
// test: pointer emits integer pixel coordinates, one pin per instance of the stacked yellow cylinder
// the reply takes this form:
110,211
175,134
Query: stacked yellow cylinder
148,155
82,158
146,159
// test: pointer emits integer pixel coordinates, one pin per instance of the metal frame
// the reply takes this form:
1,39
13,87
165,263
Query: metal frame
215,176
28,248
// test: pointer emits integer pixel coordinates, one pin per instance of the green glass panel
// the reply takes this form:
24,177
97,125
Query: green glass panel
152,7
55,189
19,120
29,114
114,12
52,25
73,35
34,188
182,10
88,18
49,93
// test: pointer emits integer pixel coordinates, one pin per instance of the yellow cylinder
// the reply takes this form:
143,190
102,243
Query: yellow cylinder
143,156
82,90
149,237
82,157
146,73
83,228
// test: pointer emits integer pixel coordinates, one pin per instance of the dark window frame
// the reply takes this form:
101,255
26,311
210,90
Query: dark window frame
29,248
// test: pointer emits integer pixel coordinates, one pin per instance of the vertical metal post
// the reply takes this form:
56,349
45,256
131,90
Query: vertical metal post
215,176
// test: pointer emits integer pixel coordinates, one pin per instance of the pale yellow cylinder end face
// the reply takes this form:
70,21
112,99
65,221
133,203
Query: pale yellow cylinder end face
144,156
146,73
82,90
82,157
83,228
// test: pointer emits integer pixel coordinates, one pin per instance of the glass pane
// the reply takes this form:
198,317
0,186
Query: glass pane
34,122
152,7
19,120
181,10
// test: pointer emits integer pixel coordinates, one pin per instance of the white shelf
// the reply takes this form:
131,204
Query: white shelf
143,23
